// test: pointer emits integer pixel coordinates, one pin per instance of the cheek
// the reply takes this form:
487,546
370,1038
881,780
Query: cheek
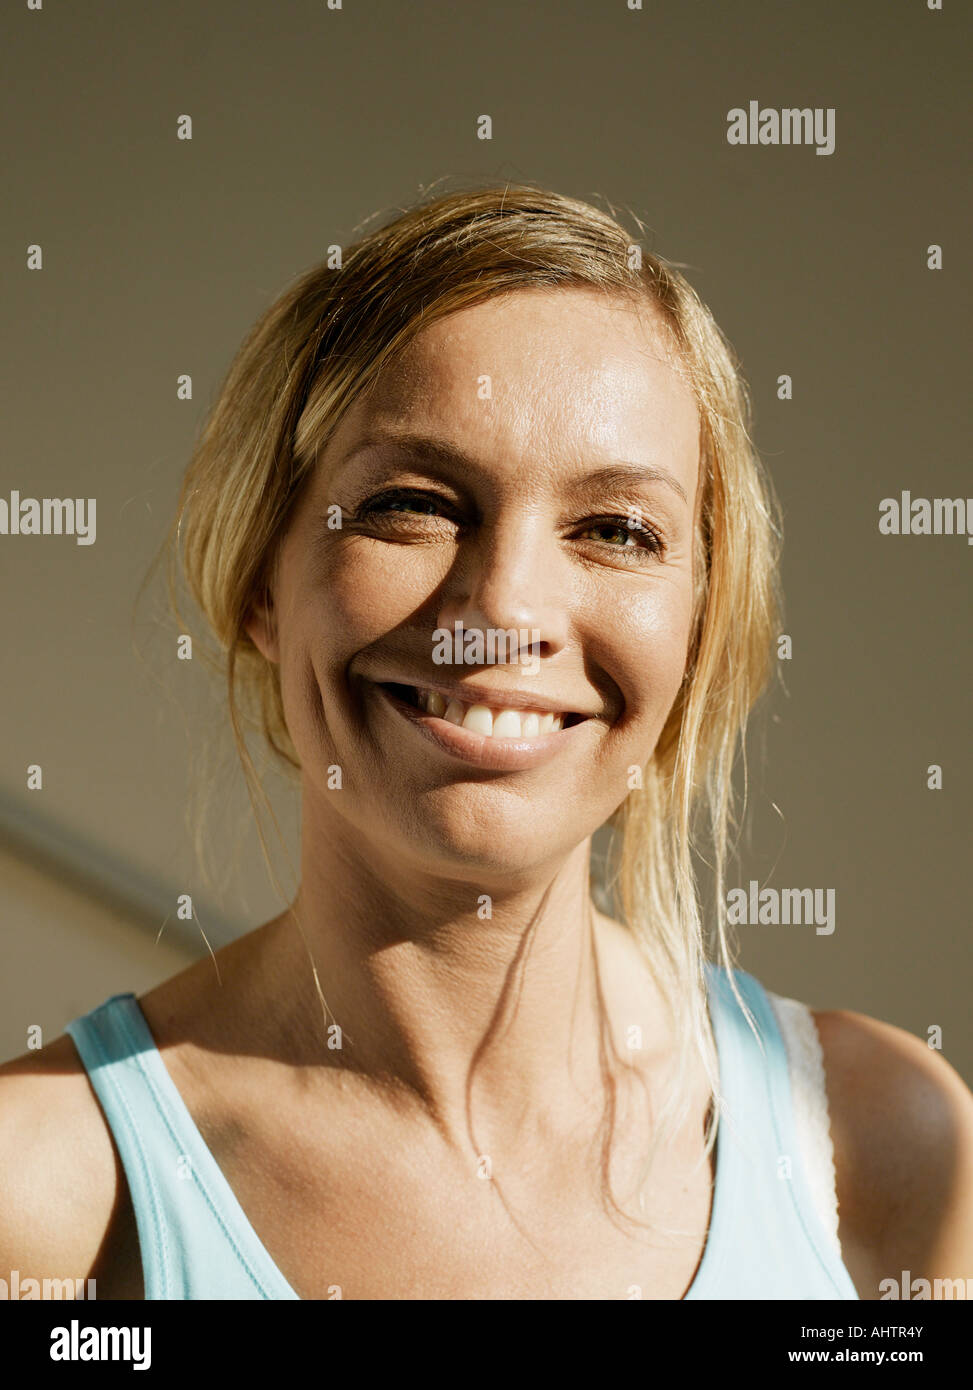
363,592
334,607
643,647
332,610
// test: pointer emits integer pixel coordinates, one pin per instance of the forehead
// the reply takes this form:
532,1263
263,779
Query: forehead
548,376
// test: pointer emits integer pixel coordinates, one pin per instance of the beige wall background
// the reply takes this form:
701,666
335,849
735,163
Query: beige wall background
158,254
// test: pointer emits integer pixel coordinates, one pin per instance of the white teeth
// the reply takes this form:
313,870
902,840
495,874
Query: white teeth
481,719
454,712
509,724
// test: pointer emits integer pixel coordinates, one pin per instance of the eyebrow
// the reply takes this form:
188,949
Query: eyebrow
428,447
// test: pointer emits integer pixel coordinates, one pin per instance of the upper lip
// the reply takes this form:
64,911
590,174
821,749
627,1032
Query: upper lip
475,693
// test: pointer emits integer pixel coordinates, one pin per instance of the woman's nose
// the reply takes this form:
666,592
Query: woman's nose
507,583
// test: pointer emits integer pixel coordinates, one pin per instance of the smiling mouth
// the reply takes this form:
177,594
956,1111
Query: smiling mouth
494,721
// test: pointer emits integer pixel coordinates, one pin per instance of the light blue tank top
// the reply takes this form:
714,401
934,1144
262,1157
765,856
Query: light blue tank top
765,1238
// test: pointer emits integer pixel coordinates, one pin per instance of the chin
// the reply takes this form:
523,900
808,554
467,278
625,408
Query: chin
481,844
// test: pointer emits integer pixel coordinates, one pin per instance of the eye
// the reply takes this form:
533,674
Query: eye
400,500
622,533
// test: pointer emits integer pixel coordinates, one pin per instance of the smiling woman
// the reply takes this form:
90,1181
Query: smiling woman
441,1072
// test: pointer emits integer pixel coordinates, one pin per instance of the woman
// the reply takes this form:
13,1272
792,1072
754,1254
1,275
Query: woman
478,525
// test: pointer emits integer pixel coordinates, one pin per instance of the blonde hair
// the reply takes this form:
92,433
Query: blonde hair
325,339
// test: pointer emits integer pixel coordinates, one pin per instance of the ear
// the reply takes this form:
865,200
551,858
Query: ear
261,626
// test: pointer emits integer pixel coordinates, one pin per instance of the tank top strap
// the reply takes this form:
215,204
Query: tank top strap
195,1239
766,1238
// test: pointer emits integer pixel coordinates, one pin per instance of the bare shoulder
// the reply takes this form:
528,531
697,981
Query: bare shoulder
65,1207
902,1125
59,1179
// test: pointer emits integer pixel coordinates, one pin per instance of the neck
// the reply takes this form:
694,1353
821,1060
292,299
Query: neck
477,990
